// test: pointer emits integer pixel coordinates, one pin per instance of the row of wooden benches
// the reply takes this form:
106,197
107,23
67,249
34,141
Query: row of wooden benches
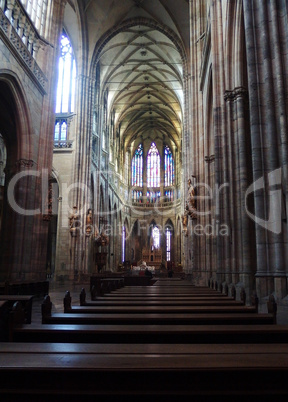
107,314
147,341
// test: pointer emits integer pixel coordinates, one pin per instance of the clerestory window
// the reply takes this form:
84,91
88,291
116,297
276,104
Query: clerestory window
137,167
153,167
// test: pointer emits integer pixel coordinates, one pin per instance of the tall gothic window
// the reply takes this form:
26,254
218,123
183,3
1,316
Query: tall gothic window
153,196
67,78
137,196
60,131
169,167
137,167
123,242
153,167
168,244
156,237
168,195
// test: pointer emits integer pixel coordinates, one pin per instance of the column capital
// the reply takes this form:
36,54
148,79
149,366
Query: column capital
236,93
24,164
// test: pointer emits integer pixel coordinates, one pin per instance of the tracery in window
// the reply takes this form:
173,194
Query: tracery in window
137,167
60,130
67,78
169,167
153,167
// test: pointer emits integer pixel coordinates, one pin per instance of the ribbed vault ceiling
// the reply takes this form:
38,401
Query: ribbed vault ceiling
140,64
142,70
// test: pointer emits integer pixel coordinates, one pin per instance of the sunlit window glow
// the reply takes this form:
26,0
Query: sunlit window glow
156,237
169,196
168,244
153,196
137,167
153,167
169,167
123,242
137,196
65,101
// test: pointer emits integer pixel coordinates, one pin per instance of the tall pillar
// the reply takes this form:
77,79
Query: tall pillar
267,137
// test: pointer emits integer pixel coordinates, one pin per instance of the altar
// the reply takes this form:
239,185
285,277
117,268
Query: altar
152,256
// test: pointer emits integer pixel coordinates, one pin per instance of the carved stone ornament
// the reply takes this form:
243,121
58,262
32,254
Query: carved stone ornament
25,163
239,92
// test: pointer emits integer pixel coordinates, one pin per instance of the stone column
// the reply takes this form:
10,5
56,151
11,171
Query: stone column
222,178
266,134
236,101
256,140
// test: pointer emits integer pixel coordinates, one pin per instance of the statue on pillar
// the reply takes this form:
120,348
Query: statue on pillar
89,222
191,201
73,221
190,207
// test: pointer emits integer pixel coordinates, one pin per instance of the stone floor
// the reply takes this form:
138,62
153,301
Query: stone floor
57,293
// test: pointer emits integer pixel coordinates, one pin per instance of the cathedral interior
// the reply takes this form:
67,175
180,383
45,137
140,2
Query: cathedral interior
145,132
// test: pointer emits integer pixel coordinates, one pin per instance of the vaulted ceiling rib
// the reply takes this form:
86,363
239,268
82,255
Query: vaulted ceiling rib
142,70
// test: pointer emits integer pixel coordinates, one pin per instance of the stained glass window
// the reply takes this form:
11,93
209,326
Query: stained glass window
168,244
137,196
153,196
153,167
67,78
60,133
156,237
168,195
169,167
123,242
137,167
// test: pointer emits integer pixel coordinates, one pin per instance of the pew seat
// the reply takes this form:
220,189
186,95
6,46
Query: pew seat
150,333
25,300
160,319
160,309
163,372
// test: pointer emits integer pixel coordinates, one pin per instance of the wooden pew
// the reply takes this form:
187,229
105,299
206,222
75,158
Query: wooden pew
147,334
159,319
4,315
165,293
122,301
25,300
115,295
143,333
131,309
205,371
151,319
